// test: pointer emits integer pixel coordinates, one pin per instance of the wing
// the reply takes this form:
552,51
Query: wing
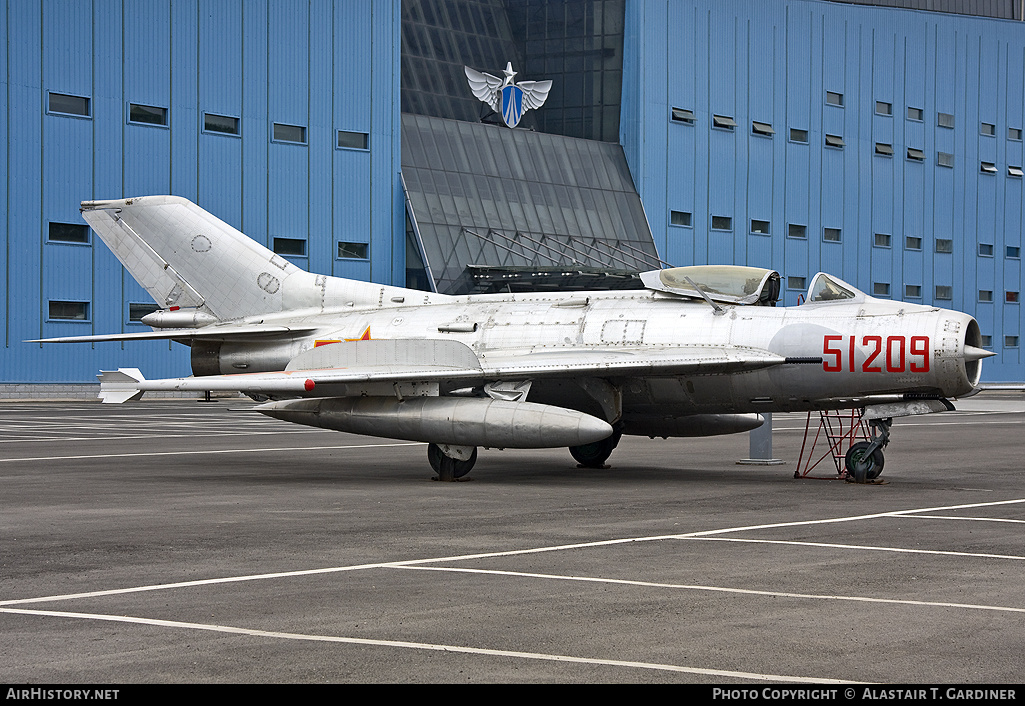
535,93
339,369
485,87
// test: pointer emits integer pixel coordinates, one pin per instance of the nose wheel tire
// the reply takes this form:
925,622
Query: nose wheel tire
446,467
863,466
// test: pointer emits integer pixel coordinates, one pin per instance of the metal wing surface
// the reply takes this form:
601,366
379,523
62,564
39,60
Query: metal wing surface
486,87
432,361
535,93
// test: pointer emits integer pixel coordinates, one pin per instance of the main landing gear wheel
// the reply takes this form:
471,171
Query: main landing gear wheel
449,468
863,465
596,454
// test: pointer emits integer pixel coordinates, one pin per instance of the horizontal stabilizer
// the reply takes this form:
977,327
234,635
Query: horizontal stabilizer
121,385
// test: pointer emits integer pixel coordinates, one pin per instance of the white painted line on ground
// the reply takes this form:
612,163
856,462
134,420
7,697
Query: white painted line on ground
483,555
540,656
716,589
206,431
897,550
970,519
851,518
200,452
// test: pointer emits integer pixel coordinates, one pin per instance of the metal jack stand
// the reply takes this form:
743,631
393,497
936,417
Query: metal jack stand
840,430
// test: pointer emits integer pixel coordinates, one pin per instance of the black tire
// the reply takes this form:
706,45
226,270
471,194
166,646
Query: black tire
449,468
862,467
595,455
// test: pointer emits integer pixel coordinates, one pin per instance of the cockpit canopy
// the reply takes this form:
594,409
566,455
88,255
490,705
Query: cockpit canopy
827,288
732,284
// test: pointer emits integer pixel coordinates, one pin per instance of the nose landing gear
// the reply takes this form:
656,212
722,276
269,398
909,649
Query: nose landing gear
864,460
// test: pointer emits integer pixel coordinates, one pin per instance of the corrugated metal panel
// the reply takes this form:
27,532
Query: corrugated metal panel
971,69
255,60
5,179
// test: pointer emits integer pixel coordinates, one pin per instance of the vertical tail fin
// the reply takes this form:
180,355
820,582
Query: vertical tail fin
184,256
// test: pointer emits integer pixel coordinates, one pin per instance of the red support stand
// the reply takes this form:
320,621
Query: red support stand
838,430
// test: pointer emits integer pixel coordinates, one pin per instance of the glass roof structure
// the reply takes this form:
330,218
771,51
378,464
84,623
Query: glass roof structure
483,194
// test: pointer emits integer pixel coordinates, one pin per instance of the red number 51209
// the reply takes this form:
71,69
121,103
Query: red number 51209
895,354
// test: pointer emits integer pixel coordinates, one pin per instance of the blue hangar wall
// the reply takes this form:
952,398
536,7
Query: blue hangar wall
239,105
882,145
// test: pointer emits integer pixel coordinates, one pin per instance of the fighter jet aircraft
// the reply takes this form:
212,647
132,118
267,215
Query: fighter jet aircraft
699,351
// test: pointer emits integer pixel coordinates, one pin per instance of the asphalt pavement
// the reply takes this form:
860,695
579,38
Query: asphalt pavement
190,542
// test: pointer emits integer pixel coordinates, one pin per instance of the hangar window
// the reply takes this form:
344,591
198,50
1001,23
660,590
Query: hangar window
759,227
916,155
1010,341
1013,171
880,289
1012,297
912,291
294,247
221,124
289,133
884,108
945,159
987,129
945,120
912,243
353,251
834,98
68,233
682,115
986,249
985,295
882,240
353,140
722,223
796,283
797,231
679,218
986,341
763,129
944,292
944,245
68,311
798,135
64,104
884,150
1014,133
147,115
834,141
723,122
1013,252
137,310
831,235
988,168
915,114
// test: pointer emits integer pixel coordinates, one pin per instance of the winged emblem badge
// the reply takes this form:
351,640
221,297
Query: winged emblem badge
506,97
